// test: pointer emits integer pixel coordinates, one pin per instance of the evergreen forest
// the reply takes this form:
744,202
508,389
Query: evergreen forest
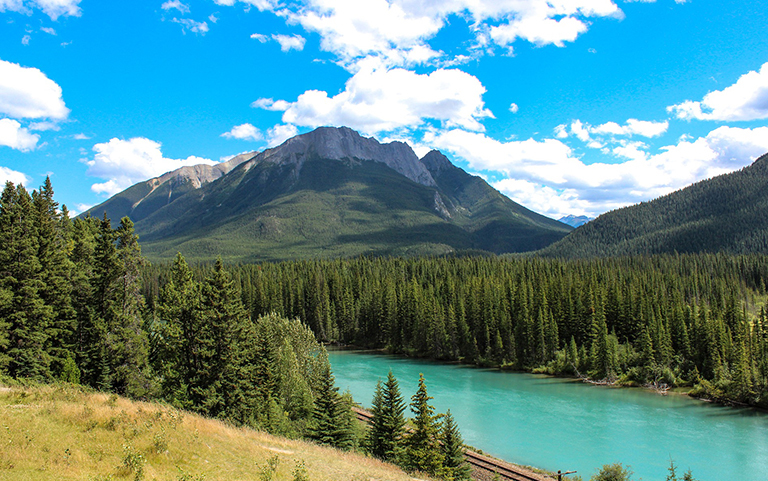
73,309
696,320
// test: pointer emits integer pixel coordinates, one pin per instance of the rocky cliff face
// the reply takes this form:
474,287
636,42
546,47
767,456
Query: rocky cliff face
344,143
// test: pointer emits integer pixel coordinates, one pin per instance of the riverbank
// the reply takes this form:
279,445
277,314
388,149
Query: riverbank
564,424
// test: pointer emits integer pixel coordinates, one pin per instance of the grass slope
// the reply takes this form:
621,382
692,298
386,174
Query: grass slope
64,432
722,214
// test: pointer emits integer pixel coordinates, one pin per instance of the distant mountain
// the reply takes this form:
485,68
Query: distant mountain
574,220
327,193
728,213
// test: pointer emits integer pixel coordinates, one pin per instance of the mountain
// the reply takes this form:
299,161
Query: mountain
327,193
722,214
575,220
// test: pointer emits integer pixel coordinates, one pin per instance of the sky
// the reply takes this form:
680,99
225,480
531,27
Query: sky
567,106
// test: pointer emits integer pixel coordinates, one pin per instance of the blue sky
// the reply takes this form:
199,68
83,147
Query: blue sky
567,106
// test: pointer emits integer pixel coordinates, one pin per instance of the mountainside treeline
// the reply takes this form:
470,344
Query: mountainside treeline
722,214
674,320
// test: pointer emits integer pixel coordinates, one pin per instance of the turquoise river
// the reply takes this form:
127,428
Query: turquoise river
556,423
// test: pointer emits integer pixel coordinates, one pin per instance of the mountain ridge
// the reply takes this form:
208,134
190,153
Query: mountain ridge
723,214
328,193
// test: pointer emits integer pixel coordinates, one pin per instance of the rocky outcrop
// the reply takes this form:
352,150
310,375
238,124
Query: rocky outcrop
344,143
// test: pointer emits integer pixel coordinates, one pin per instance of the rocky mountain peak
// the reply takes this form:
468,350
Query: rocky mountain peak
435,161
344,143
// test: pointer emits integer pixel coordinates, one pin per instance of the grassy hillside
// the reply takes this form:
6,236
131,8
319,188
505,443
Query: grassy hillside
722,214
64,432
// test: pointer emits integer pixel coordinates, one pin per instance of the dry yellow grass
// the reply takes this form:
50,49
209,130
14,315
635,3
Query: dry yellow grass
61,432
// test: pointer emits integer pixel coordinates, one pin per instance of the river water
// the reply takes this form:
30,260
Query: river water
556,423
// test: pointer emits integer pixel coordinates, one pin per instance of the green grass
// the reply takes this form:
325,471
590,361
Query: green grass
65,432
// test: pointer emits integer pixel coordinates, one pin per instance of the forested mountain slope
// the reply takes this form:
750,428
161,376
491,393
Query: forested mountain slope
332,193
723,214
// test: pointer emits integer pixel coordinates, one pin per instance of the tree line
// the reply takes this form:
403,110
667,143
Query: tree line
696,320
72,309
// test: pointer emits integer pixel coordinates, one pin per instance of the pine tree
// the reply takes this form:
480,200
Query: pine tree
21,278
332,420
422,446
455,465
177,354
388,423
56,273
223,385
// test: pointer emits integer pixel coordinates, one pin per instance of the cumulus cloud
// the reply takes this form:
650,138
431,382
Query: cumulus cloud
290,42
52,8
175,4
28,93
383,100
280,133
747,99
8,175
261,38
13,135
398,31
243,132
550,168
126,162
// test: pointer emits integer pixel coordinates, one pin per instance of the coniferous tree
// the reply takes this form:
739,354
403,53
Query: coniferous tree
223,385
177,350
332,419
21,278
388,422
56,274
455,465
422,445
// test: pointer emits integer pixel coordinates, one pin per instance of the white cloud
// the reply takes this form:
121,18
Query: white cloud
290,42
270,104
13,135
25,39
384,100
8,175
52,8
192,25
126,162
280,133
398,32
513,108
551,167
59,8
42,126
28,93
181,7
642,128
747,99
49,31
244,132
261,38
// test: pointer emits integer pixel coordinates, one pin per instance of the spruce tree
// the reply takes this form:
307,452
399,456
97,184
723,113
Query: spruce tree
26,313
455,465
388,423
332,420
56,272
177,354
422,446
223,384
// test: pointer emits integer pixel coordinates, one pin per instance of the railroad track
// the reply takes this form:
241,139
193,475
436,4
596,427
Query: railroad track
479,462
